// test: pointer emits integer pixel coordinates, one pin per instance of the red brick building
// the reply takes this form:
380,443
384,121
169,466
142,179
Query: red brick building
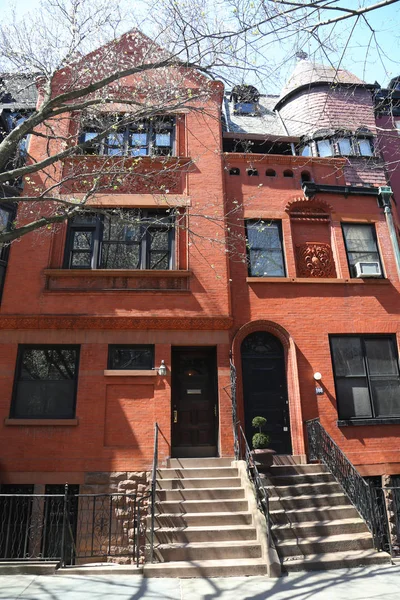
284,258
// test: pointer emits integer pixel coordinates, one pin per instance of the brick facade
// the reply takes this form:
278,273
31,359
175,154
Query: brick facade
211,302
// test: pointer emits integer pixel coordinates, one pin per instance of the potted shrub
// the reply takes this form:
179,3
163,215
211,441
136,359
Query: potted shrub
262,455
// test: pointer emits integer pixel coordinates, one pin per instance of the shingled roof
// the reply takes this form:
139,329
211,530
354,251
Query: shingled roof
17,91
307,73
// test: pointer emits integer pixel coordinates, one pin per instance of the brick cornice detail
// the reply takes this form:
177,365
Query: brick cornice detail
116,323
295,161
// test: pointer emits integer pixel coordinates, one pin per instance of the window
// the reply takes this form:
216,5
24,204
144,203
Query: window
136,357
361,245
45,382
365,147
270,173
366,376
265,249
324,148
234,171
288,173
148,137
345,146
7,214
306,150
252,172
132,239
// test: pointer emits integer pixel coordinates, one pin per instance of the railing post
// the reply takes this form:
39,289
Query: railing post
64,525
153,491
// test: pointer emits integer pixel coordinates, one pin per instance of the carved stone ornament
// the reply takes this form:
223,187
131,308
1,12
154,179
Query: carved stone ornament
315,259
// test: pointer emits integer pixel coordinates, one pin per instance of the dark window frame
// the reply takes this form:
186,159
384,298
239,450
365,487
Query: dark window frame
18,367
5,248
112,347
279,224
375,238
364,420
149,220
147,127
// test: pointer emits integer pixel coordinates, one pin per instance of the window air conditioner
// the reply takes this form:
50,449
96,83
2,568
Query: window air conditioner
368,269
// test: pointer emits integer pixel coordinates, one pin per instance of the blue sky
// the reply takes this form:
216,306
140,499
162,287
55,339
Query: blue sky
363,56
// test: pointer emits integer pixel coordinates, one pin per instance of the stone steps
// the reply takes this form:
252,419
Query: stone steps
200,494
313,522
335,560
203,525
208,533
203,519
317,528
207,568
199,473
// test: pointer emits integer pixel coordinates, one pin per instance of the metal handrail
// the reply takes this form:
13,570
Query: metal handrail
153,491
323,447
261,494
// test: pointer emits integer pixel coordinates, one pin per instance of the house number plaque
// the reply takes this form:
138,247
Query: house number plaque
193,391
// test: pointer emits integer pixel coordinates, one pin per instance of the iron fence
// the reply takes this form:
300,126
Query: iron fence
72,527
365,498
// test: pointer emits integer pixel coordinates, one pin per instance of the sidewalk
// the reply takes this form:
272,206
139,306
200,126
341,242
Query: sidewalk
365,583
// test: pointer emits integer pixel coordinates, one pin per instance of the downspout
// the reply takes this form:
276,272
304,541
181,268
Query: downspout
292,146
385,193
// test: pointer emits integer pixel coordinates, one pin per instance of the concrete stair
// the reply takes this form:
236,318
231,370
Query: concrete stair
203,525
313,522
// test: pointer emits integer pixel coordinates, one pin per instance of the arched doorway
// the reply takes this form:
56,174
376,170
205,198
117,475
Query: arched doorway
265,388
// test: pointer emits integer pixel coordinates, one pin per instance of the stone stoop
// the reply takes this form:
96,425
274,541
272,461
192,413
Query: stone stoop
313,522
203,525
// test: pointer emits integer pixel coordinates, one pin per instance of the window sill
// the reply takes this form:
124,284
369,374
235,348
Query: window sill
40,422
123,280
348,281
130,373
364,422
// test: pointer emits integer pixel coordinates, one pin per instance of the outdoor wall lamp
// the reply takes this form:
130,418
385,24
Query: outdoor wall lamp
317,376
162,369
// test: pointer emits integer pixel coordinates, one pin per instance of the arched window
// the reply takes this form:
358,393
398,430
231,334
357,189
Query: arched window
270,173
288,173
252,172
234,171
305,176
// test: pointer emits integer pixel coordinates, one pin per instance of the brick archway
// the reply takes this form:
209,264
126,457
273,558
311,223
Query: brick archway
296,421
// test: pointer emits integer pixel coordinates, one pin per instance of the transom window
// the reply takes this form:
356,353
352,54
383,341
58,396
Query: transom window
147,137
361,246
45,382
265,249
138,357
132,239
367,377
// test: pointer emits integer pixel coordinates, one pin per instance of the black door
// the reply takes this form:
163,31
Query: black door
194,402
265,389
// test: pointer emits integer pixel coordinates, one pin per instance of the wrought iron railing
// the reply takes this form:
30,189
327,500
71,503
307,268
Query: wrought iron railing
69,527
322,447
234,407
261,494
153,491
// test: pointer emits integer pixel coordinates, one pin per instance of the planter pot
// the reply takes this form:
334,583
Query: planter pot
263,457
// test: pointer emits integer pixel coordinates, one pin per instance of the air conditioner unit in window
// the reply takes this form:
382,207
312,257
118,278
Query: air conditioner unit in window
368,269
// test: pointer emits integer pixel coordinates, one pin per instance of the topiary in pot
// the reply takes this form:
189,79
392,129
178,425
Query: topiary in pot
261,454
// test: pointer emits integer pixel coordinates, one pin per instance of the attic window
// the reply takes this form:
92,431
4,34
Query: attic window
245,100
270,173
288,173
252,172
234,171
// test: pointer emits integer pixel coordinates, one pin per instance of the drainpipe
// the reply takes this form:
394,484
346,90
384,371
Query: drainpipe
385,193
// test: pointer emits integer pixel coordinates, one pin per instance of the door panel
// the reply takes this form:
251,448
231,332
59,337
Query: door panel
265,389
194,402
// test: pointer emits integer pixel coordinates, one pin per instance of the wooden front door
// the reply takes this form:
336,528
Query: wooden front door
194,402
265,389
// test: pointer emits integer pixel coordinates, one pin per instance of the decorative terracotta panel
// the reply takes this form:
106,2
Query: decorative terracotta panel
315,259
